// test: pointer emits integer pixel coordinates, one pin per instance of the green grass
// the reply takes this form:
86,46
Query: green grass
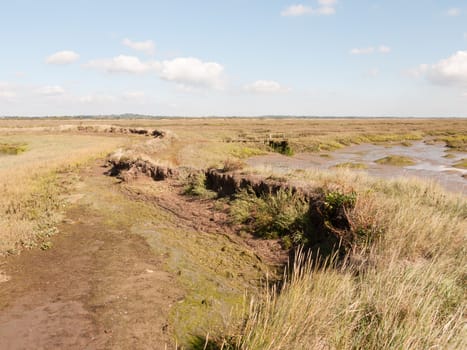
395,161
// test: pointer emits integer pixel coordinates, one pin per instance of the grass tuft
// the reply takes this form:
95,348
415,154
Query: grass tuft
395,161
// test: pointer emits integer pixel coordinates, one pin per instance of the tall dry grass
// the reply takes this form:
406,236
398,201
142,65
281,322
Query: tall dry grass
405,290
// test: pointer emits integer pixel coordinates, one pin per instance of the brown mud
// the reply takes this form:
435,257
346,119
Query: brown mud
98,287
136,265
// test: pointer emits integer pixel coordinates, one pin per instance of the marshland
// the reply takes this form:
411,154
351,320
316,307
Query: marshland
202,233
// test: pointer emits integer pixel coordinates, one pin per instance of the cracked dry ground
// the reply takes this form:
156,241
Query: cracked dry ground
122,273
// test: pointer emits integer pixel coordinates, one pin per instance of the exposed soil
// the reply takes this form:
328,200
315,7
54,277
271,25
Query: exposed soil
135,266
97,288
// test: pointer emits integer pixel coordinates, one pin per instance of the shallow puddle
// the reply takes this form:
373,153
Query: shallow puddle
430,162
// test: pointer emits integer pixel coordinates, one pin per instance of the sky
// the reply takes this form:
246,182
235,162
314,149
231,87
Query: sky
234,57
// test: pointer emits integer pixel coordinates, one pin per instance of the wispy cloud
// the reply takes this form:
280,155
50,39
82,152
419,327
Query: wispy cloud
265,87
148,46
122,64
383,49
325,8
453,12
50,90
62,57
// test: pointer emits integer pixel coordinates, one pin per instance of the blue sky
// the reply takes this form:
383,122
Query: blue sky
197,58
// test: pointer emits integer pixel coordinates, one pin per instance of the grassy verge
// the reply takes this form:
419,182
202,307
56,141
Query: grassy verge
403,289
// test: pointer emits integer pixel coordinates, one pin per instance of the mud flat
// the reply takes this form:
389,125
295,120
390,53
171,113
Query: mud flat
430,161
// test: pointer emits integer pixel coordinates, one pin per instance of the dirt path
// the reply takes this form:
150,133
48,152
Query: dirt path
99,287
135,266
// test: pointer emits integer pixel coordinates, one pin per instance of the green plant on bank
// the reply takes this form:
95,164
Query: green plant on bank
195,185
282,147
12,148
395,160
334,201
272,215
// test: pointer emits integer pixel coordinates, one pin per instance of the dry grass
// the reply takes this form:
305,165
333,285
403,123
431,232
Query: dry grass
404,290
33,184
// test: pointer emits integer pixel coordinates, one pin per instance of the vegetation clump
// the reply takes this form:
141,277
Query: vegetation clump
12,148
351,165
395,160
195,185
282,147
461,164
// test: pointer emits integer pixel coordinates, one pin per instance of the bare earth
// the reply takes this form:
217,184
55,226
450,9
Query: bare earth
112,276
97,288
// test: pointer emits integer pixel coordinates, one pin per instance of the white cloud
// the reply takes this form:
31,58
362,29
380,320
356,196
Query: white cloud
265,87
122,64
453,12
449,71
297,10
92,99
464,94
465,35
192,71
362,51
50,90
370,50
384,49
134,94
372,73
62,57
189,71
325,10
147,46
7,92
326,7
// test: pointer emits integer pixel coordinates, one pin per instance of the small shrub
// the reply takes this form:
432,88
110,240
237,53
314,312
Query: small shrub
196,186
282,147
272,215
